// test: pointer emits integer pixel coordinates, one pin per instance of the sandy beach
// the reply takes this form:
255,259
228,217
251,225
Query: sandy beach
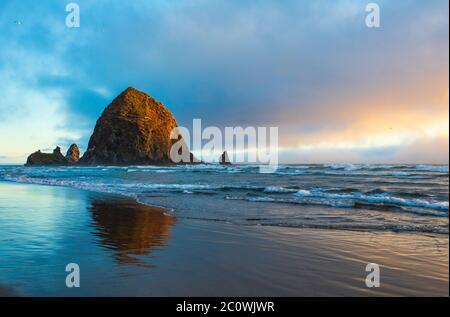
127,249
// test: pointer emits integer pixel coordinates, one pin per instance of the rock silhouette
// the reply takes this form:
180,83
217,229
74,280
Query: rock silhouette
224,159
40,159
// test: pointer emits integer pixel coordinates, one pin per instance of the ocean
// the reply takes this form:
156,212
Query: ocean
373,198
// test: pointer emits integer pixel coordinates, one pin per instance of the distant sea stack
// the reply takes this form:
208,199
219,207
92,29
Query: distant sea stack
224,159
133,130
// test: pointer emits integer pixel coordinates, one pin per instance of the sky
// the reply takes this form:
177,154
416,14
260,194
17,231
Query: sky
337,90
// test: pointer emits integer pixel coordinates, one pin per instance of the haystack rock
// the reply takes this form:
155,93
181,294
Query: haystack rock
42,159
224,159
73,154
133,130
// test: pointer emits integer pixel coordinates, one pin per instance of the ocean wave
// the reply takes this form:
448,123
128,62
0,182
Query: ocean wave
328,203
323,224
119,187
100,187
378,167
279,189
297,167
295,172
342,166
399,174
361,227
347,173
341,197
342,203
349,192
371,175
389,200
355,167
376,198
310,202
339,170
432,168
336,203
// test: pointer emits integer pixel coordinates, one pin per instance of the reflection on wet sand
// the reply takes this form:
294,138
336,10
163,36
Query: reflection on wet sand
130,228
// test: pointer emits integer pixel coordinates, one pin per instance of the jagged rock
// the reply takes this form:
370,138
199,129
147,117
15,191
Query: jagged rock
73,154
224,159
40,159
133,129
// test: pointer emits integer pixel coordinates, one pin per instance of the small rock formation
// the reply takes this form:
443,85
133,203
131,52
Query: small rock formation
73,154
134,129
224,159
40,159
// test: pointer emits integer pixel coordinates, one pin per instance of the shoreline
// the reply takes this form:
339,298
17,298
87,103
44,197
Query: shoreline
154,256
169,211
163,209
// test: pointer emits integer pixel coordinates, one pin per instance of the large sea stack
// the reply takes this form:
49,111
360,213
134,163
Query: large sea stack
133,130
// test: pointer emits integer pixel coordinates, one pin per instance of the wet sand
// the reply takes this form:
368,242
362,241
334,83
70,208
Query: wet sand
127,249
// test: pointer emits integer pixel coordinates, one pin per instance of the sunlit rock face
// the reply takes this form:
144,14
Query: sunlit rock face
133,129
40,159
73,154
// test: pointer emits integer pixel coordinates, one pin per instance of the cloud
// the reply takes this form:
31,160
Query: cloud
310,67
33,114
31,117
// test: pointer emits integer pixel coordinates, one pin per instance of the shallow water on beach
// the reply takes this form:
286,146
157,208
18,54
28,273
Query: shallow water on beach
368,198
305,230
129,249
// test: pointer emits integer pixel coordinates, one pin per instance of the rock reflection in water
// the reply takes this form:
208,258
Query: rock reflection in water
130,228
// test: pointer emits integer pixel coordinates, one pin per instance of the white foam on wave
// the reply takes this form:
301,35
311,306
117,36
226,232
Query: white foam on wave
134,188
303,192
376,167
165,186
300,167
307,198
343,166
432,168
83,185
278,189
359,174
376,198
356,167
265,199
